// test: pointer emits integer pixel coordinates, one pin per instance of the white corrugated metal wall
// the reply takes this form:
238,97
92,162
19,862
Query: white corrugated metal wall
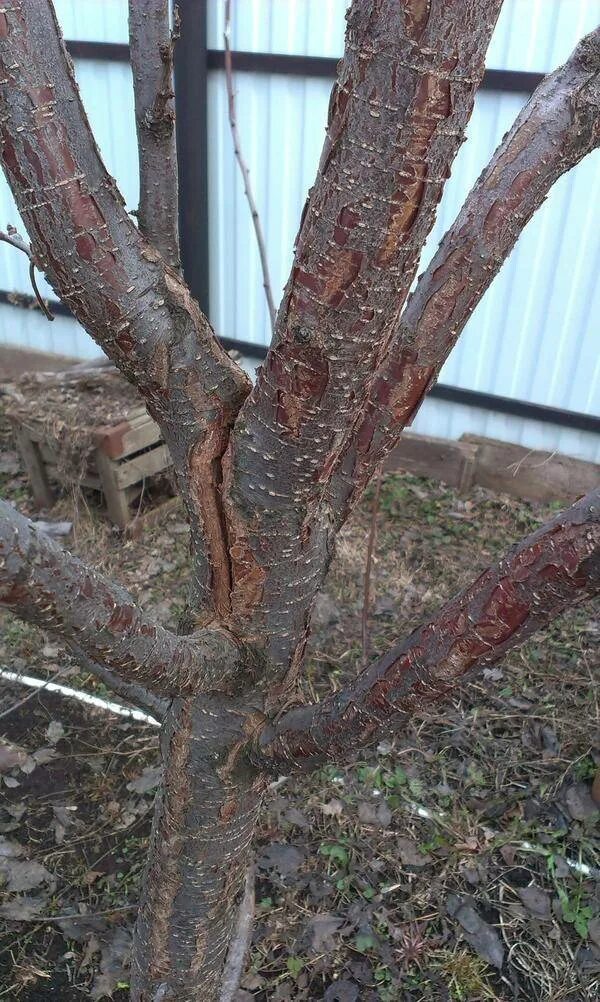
534,337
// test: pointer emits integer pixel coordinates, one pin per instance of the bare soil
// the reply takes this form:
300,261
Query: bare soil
459,861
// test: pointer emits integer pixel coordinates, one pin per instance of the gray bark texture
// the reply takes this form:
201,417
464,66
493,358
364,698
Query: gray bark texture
270,473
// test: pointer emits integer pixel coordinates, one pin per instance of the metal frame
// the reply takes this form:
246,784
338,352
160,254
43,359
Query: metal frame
508,81
192,146
193,62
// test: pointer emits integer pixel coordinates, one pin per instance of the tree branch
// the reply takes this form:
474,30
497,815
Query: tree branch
130,691
558,126
118,287
12,237
397,116
555,567
151,48
44,584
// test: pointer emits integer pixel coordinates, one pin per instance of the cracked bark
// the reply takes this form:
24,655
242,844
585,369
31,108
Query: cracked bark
397,116
555,567
556,129
118,286
51,588
151,48
200,851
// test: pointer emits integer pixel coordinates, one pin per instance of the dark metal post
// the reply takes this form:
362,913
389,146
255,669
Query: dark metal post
192,146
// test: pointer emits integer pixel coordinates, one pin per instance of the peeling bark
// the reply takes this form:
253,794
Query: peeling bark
267,483
55,590
397,116
200,851
557,128
118,286
554,568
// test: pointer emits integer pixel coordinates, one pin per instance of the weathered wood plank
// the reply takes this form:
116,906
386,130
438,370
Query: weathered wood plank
36,471
531,474
440,458
115,498
146,465
121,440
88,479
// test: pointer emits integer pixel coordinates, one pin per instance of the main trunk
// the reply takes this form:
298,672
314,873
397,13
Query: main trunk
204,820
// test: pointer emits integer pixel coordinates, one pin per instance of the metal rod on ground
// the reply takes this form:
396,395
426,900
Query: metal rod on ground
369,566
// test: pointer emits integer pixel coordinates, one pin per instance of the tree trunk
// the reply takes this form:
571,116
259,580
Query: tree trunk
199,855
269,475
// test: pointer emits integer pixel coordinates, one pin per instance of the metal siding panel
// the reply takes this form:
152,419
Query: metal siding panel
446,420
281,125
531,35
538,35
29,329
297,27
93,20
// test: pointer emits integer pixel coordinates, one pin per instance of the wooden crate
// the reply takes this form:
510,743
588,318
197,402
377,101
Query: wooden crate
126,456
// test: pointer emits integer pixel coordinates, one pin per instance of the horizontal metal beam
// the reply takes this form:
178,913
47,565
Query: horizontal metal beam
489,402
283,64
106,52
508,81
516,408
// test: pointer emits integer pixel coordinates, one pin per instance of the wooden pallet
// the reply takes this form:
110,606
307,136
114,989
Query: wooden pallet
126,456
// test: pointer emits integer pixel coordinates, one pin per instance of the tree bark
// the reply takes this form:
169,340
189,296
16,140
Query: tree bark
151,48
397,116
200,851
268,477
557,128
51,588
555,567
116,285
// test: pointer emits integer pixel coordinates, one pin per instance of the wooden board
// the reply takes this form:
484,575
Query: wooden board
531,474
121,440
440,458
148,464
36,469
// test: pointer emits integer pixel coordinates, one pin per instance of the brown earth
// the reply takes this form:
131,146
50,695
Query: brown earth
460,861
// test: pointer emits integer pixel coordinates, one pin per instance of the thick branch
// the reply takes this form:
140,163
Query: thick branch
44,584
118,287
151,48
559,125
554,568
397,116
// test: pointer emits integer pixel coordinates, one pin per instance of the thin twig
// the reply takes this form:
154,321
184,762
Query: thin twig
368,568
11,237
36,919
38,295
243,166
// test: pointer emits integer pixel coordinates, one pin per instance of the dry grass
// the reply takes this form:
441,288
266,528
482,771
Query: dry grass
403,859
